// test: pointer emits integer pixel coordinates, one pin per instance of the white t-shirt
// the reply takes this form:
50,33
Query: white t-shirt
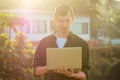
60,41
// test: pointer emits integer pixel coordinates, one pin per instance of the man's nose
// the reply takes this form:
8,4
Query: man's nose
64,23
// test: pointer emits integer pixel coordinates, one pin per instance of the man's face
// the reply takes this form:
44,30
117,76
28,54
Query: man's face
64,22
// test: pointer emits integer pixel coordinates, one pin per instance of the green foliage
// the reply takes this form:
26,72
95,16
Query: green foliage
16,58
9,20
5,55
115,20
5,19
102,60
108,21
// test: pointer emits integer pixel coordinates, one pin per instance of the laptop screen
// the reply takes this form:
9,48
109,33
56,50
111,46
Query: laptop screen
70,56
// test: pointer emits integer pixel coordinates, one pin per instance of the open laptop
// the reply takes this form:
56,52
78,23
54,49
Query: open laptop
70,56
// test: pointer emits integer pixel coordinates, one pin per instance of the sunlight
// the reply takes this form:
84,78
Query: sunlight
117,0
27,4
31,4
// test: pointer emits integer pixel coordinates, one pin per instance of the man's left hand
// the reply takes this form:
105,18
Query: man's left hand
62,69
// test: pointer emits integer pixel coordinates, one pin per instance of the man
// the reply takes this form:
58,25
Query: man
62,38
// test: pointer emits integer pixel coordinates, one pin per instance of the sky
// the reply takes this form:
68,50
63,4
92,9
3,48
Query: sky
27,4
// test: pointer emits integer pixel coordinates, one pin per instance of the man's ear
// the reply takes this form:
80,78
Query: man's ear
73,18
55,17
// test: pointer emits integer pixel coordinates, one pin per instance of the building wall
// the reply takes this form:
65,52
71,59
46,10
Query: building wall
81,27
39,26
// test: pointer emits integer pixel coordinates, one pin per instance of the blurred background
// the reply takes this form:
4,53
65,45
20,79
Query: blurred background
23,23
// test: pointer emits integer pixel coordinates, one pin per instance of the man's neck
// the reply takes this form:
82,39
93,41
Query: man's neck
62,34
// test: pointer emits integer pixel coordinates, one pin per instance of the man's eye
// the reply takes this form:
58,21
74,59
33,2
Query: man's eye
68,20
61,20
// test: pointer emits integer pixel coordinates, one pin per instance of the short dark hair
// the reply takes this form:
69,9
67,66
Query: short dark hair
63,10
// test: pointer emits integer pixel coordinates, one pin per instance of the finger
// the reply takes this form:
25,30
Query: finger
72,70
37,68
64,67
58,69
61,68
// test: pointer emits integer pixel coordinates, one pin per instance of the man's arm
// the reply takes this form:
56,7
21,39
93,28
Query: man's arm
40,70
80,75
83,74
71,73
39,61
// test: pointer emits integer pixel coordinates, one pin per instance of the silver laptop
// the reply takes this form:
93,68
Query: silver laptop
70,56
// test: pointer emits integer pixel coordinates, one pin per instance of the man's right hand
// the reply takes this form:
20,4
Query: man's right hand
40,70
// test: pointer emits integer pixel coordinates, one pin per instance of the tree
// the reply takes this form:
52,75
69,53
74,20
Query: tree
114,29
108,20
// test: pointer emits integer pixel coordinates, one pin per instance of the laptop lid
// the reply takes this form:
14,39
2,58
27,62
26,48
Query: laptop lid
70,56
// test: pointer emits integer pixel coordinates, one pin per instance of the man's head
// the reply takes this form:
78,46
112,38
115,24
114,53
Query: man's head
64,17
63,10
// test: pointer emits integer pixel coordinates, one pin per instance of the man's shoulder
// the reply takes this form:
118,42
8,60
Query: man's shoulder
47,38
78,38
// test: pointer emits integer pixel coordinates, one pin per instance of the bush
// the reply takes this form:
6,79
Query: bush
16,58
102,60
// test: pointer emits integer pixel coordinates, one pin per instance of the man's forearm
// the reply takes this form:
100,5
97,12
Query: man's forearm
80,75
